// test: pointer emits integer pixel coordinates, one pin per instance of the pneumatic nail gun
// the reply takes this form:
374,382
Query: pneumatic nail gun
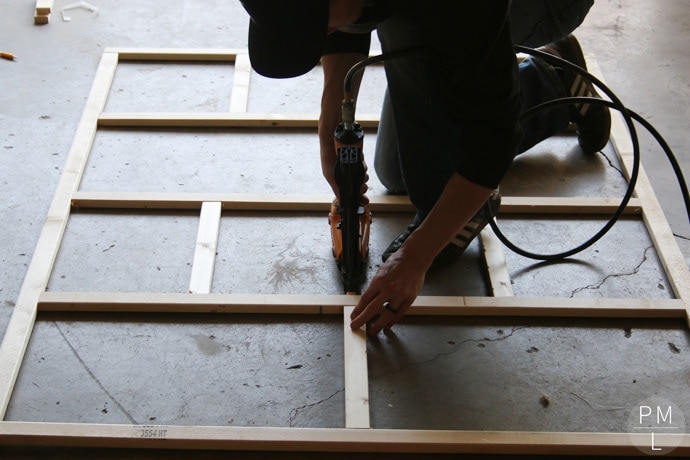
350,218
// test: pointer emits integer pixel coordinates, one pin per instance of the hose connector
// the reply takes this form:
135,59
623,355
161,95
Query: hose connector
348,113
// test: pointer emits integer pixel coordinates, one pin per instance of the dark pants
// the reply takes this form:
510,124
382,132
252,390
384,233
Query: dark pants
533,23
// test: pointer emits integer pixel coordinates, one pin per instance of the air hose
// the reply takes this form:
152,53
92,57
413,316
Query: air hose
615,103
628,116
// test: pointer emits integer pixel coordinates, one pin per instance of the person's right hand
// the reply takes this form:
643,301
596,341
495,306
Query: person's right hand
390,294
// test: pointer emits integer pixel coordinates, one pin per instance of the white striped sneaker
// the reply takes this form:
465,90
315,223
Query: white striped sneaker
592,121
469,232
457,245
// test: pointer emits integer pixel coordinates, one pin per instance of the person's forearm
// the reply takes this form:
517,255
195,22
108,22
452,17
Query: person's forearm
460,200
400,279
335,67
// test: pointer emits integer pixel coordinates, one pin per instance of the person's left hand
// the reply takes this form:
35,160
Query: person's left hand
391,292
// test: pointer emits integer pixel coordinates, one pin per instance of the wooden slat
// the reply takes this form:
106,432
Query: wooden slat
24,313
201,303
177,54
44,7
665,242
218,120
496,266
40,19
565,205
239,97
333,304
205,251
356,374
303,202
230,201
327,440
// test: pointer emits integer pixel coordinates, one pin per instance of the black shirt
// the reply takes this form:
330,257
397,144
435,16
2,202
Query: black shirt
477,69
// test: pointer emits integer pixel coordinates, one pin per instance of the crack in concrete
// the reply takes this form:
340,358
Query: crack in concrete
93,376
502,336
612,165
597,406
681,237
295,411
622,174
614,275
455,348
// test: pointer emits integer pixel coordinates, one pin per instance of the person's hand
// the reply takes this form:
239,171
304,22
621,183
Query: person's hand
398,281
390,294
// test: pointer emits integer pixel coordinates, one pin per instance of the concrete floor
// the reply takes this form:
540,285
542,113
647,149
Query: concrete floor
477,373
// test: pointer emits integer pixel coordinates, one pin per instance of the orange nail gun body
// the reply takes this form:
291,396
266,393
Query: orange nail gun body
349,218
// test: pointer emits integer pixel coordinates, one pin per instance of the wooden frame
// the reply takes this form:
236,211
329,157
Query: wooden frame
356,436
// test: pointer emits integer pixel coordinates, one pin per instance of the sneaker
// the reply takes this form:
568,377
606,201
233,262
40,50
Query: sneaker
462,240
593,122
